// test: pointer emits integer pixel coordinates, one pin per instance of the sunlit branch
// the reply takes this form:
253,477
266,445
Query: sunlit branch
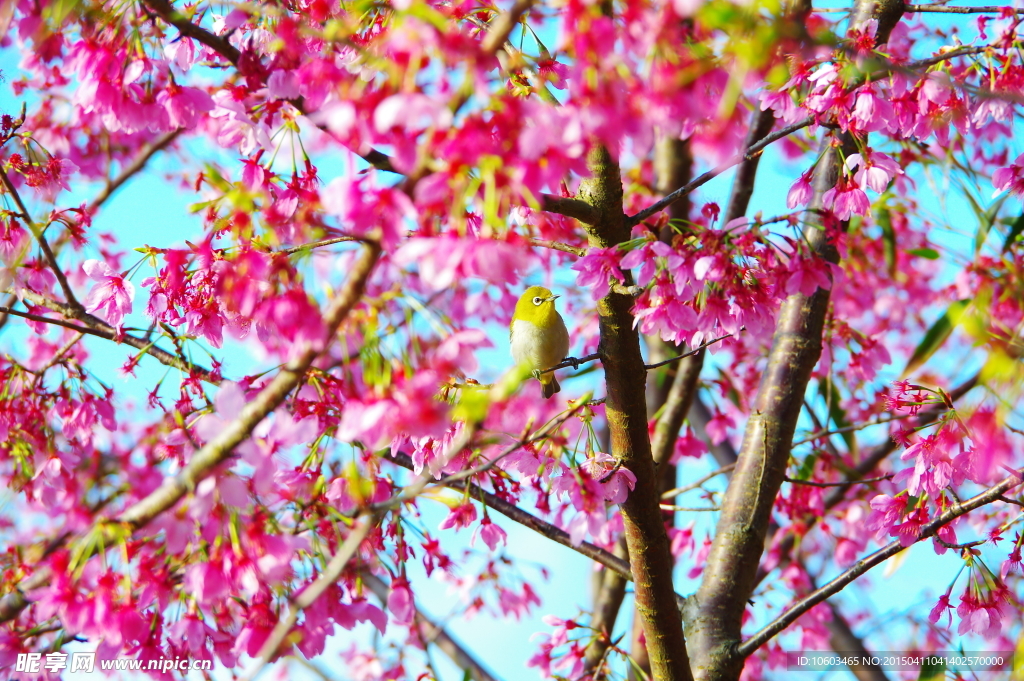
502,25
434,633
864,564
301,248
203,462
689,509
578,251
843,483
271,647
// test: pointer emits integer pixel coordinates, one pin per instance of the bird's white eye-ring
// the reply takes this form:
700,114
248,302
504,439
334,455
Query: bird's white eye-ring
537,300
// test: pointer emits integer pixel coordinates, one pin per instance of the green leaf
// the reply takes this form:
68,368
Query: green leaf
806,469
884,220
932,671
935,336
1015,231
830,394
929,253
986,216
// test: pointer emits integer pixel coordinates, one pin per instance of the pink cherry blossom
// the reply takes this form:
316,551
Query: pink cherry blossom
111,296
596,270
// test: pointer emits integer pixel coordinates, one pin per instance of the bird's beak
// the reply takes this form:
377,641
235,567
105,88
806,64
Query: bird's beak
552,298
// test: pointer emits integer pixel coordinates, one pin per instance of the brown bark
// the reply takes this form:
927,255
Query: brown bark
842,640
715,612
650,560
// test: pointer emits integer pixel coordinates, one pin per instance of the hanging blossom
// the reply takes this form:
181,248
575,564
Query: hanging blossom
876,169
846,199
111,296
596,269
1010,177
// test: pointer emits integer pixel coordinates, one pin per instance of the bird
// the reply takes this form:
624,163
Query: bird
538,336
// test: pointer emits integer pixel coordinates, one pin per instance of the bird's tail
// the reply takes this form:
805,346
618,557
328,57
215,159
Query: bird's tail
551,387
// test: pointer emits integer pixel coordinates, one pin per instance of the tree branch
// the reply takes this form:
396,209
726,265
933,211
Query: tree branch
988,9
134,167
203,462
703,179
626,410
501,27
164,10
579,252
864,564
713,626
541,527
866,465
96,327
271,647
51,259
756,148
434,633
696,351
573,208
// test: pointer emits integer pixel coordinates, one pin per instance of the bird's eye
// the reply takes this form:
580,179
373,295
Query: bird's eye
538,300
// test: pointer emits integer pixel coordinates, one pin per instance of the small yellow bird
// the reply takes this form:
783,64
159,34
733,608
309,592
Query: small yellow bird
538,336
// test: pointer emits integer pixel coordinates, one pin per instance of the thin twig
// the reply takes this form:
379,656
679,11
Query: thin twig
757,147
699,483
573,362
850,429
96,327
58,356
130,170
687,354
703,179
953,9
51,259
541,527
434,633
843,483
172,16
